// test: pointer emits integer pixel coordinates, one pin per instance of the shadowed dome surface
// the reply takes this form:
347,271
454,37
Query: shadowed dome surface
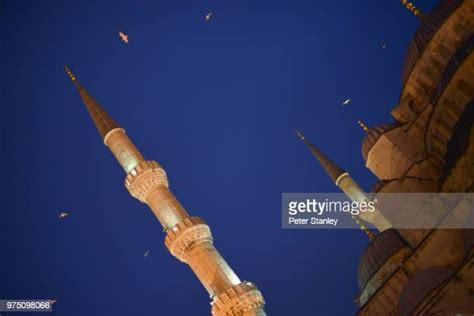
384,246
373,135
430,23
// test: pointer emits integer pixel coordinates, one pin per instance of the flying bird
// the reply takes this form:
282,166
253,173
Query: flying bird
52,301
124,37
208,17
384,46
146,254
63,215
346,102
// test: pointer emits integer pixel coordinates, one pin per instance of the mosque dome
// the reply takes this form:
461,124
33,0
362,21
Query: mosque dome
380,249
430,24
373,135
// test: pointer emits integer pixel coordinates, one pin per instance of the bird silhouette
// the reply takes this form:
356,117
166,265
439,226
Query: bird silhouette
346,102
63,215
124,37
208,17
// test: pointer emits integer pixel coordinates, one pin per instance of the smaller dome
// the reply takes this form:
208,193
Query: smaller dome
373,135
382,248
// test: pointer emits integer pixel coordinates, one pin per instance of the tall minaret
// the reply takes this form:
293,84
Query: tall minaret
188,238
345,182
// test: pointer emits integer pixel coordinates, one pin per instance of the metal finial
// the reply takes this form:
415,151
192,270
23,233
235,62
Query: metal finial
411,7
299,134
69,73
364,127
363,227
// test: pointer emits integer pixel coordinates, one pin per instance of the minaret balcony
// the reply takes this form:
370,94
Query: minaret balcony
240,299
144,178
186,235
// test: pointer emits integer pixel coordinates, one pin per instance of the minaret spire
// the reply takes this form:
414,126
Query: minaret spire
363,227
333,170
188,238
344,181
102,119
411,7
364,127
112,134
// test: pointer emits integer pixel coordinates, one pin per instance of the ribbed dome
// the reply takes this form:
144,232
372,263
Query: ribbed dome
430,24
373,134
384,246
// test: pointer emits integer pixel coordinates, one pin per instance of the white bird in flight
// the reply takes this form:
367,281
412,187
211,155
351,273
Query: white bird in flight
146,254
346,102
208,17
124,37
63,215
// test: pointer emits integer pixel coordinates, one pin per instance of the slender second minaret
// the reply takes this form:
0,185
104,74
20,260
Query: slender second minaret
344,181
188,238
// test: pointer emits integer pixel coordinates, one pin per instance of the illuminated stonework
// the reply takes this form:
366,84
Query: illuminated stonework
428,149
123,149
182,239
144,178
242,299
188,238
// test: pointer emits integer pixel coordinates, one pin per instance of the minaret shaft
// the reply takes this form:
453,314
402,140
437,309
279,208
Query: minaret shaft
351,188
356,193
166,207
123,149
212,270
188,238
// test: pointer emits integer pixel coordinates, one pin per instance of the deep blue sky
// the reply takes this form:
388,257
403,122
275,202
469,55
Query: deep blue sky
214,104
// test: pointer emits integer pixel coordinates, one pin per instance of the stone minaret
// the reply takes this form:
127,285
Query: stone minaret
188,238
345,182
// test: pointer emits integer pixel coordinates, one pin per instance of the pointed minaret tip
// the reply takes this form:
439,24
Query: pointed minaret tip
411,7
102,120
333,170
363,227
364,127
299,134
69,73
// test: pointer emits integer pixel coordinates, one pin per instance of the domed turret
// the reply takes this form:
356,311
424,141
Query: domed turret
373,135
383,247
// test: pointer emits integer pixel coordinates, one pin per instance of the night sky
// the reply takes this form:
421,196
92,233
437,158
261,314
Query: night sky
215,104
